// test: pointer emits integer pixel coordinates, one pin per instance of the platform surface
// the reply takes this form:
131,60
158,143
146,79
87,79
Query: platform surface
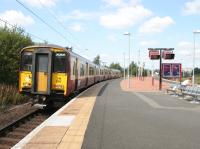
142,120
110,116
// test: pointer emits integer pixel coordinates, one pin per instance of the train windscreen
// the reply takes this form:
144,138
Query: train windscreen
59,63
26,61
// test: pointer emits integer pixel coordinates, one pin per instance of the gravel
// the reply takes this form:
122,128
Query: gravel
14,113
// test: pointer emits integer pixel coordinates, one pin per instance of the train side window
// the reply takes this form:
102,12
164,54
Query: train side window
82,70
91,71
74,68
26,61
60,62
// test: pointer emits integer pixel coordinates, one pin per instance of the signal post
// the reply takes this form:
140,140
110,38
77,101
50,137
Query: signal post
159,53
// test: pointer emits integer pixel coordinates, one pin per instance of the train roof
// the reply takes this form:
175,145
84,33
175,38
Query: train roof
70,51
44,46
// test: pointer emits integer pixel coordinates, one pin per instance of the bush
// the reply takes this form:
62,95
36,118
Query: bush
11,43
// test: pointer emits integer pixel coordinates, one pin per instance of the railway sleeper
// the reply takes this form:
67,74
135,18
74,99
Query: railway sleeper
40,117
9,141
5,146
16,135
29,127
35,123
23,130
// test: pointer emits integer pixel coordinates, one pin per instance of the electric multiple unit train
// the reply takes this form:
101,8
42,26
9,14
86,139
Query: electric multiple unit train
50,73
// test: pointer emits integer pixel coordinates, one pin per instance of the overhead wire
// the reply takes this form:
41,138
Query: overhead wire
58,21
43,21
15,26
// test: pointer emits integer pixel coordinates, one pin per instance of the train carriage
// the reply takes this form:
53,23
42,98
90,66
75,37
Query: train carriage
51,73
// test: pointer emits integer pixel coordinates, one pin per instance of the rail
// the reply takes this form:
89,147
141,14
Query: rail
13,132
16,122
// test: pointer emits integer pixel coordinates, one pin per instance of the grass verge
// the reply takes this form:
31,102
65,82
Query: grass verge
9,96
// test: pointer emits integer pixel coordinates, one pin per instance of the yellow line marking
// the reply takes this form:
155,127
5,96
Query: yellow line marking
73,138
149,101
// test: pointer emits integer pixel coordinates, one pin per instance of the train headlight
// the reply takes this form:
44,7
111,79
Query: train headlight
27,81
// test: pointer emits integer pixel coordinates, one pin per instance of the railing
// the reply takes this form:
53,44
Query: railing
183,90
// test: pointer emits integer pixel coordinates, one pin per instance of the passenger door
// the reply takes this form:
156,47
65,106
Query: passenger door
76,74
42,72
86,74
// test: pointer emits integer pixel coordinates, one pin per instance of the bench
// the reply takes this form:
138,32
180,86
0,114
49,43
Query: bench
183,90
175,88
192,91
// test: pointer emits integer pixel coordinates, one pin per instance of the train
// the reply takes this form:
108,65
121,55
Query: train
51,73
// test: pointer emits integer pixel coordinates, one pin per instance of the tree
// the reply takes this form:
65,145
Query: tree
133,68
116,66
11,42
197,70
97,60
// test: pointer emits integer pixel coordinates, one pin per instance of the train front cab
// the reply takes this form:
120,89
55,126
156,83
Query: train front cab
46,77
25,73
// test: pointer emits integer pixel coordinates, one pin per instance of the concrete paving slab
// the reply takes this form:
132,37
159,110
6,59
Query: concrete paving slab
61,120
40,146
49,135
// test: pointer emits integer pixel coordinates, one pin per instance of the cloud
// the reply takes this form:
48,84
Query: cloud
156,24
192,7
120,3
185,47
16,18
106,59
78,15
149,43
76,27
112,38
125,17
40,3
110,3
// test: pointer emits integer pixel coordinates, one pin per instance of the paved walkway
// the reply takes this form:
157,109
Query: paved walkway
142,85
142,120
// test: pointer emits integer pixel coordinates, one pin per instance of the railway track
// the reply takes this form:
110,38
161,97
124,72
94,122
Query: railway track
18,129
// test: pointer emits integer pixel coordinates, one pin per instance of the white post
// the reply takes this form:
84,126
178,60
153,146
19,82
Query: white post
194,32
193,66
129,34
124,67
129,63
139,74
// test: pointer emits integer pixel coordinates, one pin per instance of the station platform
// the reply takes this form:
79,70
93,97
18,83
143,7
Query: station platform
110,115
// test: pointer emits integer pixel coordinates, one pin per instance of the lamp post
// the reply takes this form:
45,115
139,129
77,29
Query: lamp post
194,33
124,66
129,34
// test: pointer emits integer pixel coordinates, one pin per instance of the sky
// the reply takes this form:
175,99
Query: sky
95,27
